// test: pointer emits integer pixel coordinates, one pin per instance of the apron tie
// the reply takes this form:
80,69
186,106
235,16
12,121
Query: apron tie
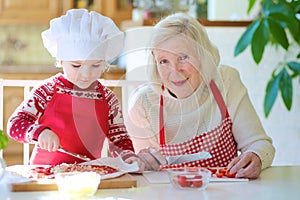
161,119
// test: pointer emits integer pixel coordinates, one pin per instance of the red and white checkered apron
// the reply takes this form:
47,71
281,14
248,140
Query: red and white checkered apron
219,142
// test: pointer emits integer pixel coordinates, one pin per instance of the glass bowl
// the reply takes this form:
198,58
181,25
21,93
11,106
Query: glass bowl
190,178
77,184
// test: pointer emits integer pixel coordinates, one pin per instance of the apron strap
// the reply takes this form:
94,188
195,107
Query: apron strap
102,91
219,99
161,119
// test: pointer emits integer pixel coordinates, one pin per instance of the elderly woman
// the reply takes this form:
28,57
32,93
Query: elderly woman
194,105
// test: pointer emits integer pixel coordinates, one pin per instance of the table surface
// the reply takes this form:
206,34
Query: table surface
276,182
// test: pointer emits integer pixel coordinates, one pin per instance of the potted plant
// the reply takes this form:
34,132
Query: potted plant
3,144
3,140
278,24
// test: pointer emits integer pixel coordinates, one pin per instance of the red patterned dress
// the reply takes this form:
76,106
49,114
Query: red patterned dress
82,119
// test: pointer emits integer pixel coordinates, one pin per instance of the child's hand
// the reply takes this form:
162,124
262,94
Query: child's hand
130,157
133,159
48,140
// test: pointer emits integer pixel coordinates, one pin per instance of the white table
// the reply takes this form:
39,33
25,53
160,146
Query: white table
277,182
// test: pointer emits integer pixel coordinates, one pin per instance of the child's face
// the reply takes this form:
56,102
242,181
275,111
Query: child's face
178,66
83,73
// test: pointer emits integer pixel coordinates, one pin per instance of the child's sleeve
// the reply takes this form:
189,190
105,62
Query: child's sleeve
22,125
118,136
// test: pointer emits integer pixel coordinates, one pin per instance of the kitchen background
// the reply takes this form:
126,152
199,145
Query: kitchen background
22,56
22,45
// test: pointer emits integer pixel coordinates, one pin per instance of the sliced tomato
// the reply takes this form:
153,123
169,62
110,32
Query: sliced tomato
219,175
223,170
181,180
197,183
213,170
227,174
198,177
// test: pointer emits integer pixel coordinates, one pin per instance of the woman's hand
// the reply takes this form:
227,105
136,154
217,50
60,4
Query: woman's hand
247,165
48,140
152,159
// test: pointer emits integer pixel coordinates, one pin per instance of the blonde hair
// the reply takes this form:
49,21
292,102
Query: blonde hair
183,24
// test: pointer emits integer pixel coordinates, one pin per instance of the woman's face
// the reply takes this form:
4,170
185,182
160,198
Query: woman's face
178,66
83,73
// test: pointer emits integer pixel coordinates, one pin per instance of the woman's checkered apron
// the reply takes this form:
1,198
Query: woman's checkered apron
219,142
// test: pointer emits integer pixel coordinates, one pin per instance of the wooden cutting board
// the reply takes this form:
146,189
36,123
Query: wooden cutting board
124,181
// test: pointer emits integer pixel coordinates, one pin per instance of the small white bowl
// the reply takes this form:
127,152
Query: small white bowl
77,184
190,178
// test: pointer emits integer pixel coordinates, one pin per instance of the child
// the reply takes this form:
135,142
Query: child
73,110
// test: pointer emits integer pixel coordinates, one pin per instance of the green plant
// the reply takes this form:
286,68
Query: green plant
278,24
3,140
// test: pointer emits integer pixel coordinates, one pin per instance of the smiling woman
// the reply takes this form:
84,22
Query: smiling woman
195,106
175,64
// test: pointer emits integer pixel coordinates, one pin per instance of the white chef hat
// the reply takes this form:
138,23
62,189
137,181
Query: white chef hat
83,35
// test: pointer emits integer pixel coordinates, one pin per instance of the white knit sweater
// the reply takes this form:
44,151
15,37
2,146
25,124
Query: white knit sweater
184,118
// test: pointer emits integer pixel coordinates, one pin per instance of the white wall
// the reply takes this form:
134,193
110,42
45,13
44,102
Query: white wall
230,10
281,125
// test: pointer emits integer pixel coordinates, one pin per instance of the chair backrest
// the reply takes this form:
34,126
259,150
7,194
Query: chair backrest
27,85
